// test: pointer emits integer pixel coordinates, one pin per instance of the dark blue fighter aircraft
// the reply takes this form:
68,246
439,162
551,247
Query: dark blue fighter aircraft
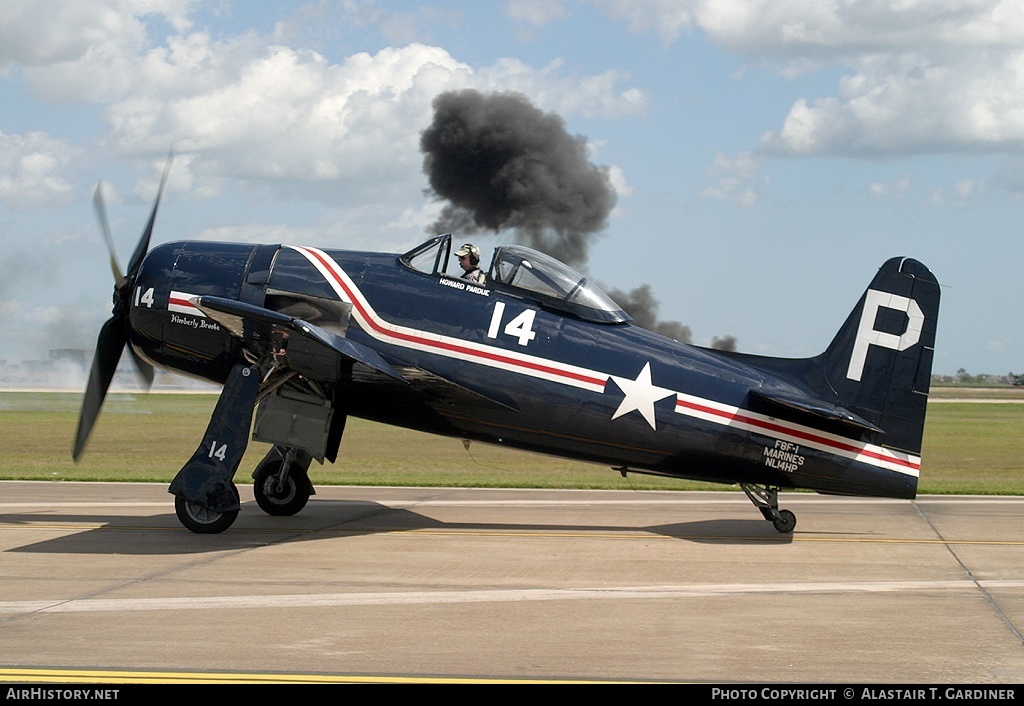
537,357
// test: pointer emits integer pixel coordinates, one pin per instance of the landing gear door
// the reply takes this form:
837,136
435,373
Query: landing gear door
292,419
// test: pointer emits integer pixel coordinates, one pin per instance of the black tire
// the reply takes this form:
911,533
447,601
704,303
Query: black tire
200,520
785,522
290,499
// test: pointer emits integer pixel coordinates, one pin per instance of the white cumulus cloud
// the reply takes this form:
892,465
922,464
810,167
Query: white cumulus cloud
925,76
32,170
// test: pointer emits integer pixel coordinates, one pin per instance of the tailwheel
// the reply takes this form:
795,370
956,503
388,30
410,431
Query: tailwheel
766,499
200,519
785,522
281,484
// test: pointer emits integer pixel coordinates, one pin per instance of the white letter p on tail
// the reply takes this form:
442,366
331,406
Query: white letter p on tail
868,336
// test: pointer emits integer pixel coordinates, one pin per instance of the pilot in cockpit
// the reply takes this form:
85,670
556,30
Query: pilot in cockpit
469,260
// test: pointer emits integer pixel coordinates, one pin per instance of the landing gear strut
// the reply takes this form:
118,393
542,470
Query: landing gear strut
766,499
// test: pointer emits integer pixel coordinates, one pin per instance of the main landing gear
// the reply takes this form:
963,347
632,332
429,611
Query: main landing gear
766,499
281,486
206,498
281,481
203,520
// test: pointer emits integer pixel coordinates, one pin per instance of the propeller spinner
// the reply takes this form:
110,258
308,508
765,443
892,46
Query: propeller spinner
114,333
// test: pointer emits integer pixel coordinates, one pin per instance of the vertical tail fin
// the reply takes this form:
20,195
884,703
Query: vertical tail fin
879,364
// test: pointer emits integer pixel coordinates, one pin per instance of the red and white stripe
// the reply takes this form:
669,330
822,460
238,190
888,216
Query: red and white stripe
447,346
592,380
810,437
181,303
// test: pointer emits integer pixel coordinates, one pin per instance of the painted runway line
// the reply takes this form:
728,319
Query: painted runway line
321,600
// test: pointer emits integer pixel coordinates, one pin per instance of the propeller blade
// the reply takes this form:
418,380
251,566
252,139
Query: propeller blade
101,215
114,334
143,246
109,345
144,368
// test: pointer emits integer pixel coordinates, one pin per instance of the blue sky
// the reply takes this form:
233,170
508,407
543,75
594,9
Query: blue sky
768,155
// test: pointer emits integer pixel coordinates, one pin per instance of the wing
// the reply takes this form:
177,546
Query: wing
255,327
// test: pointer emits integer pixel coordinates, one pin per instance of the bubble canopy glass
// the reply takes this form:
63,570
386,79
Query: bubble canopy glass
528,273
559,286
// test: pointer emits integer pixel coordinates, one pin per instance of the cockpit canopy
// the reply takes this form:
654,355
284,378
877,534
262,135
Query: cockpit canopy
527,273
518,267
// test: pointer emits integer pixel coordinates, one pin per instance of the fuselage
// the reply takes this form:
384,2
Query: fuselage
496,364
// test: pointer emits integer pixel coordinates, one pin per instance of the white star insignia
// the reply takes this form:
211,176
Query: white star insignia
641,395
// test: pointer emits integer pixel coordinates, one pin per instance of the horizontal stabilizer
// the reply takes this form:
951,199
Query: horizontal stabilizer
817,408
244,320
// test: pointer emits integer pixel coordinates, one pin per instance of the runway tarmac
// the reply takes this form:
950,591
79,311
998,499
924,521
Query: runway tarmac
99,583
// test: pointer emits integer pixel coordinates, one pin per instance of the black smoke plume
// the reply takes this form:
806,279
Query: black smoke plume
501,163
641,304
724,343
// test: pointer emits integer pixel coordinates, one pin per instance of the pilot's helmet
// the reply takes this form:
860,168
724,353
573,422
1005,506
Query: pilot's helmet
471,250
